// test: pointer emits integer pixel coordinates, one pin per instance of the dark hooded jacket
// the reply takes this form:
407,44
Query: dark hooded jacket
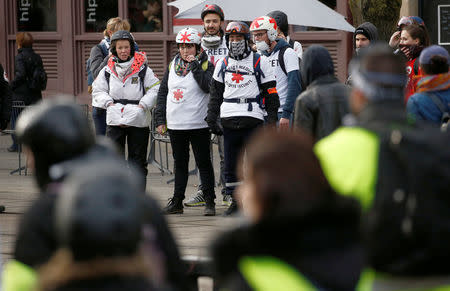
5,100
369,30
320,109
322,245
25,63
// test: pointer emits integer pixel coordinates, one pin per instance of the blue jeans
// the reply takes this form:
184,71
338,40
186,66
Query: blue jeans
99,117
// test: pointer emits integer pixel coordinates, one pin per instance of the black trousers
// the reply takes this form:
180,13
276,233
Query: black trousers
234,142
200,140
137,140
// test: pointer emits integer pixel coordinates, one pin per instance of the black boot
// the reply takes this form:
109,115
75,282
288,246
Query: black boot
210,208
175,206
2,208
233,209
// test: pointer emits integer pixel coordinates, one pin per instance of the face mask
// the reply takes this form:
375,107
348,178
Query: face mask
237,49
262,46
411,51
211,41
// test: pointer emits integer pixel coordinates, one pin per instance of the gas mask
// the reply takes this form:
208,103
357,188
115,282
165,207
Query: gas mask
238,49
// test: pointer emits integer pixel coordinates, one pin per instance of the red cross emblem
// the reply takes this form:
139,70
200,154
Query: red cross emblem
209,7
255,23
237,77
178,94
274,23
185,37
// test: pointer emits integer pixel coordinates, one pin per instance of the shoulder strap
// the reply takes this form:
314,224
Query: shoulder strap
281,59
107,77
269,273
437,101
141,75
257,68
223,68
103,48
416,67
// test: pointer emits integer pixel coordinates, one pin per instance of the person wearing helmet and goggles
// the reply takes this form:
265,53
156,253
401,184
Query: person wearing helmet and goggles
181,108
243,87
127,89
284,62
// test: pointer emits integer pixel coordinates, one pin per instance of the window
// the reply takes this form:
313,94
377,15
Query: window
145,15
36,15
97,13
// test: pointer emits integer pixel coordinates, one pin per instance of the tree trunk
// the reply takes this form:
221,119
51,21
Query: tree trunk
384,14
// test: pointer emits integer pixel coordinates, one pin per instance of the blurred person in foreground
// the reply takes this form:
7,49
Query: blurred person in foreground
300,235
57,140
399,171
104,239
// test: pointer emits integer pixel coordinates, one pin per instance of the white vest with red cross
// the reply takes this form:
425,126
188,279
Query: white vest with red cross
186,104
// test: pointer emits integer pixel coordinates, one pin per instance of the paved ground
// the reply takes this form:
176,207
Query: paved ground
192,230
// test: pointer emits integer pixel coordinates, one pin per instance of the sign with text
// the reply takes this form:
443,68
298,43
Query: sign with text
97,13
36,15
444,24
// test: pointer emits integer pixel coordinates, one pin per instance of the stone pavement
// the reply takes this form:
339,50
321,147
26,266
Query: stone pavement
193,231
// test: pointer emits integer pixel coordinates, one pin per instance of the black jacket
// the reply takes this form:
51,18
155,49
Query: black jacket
202,77
319,110
5,100
323,246
25,62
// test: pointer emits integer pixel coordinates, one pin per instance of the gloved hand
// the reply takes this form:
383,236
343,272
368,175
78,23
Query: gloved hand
215,128
3,124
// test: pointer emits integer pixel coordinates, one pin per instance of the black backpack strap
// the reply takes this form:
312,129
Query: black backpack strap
107,76
291,43
142,78
281,59
416,67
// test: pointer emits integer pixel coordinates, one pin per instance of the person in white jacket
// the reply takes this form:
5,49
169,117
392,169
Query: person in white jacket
181,108
127,89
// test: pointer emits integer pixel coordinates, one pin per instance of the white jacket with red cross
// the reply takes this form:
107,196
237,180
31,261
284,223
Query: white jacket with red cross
127,93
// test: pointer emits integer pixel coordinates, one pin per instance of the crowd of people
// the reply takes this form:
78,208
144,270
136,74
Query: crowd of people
344,186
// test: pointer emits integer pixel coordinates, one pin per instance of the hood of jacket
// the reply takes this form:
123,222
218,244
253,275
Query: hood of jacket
369,30
316,63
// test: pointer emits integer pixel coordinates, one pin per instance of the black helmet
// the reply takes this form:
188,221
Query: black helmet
122,34
55,130
99,212
281,19
212,8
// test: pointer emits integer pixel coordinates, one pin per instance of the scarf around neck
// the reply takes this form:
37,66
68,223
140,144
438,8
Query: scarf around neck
123,68
437,82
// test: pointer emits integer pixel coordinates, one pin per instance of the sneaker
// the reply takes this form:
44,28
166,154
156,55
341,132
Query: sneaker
196,201
233,209
12,149
226,201
175,206
210,209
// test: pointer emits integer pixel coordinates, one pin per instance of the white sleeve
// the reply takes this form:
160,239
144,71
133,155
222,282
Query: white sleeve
216,76
298,49
267,70
290,60
151,83
100,90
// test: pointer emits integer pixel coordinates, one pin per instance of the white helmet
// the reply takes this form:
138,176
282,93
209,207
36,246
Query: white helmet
189,35
265,23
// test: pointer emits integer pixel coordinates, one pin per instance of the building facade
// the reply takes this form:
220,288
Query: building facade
65,30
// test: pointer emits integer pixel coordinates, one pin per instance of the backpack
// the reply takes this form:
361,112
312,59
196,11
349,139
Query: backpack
445,119
407,229
38,79
283,65
90,75
257,72
141,76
